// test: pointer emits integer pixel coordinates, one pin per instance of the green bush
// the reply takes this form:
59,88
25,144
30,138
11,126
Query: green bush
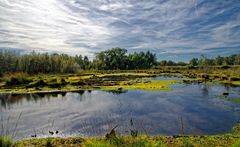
17,81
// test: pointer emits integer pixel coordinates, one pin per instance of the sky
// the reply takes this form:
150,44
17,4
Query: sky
173,29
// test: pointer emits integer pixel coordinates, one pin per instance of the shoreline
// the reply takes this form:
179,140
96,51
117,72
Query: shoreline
42,92
224,140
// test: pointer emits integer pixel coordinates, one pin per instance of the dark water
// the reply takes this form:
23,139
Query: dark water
93,113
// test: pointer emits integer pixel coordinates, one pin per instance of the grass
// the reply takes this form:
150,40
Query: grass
5,141
237,83
50,142
149,85
226,140
117,79
86,81
142,140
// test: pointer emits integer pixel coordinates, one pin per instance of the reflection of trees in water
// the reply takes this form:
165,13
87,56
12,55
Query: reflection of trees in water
3,101
227,86
205,89
116,92
80,92
81,95
9,99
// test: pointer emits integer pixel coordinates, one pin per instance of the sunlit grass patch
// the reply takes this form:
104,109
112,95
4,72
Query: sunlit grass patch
50,142
77,78
143,85
2,84
123,74
236,83
152,85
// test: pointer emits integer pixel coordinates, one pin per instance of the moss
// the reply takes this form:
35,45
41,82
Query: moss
150,85
103,81
142,85
123,79
236,83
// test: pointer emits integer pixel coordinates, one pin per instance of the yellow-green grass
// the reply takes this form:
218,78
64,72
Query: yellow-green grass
104,81
226,140
147,85
122,74
88,80
2,84
236,83
77,78
6,141
131,85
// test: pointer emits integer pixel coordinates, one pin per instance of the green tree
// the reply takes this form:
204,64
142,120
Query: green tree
193,62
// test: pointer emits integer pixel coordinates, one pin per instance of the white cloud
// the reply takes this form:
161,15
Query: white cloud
84,27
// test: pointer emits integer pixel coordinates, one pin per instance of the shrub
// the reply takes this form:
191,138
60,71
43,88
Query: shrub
63,82
16,79
40,83
225,67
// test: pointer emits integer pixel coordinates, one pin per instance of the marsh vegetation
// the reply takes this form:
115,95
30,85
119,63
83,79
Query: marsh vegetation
64,96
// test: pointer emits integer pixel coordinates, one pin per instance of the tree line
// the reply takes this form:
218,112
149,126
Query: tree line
204,61
41,63
112,59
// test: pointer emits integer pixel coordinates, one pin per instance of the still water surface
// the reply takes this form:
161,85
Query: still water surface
93,113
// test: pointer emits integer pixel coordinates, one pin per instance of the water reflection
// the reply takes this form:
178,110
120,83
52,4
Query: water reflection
93,113
205,89
116,92
8,99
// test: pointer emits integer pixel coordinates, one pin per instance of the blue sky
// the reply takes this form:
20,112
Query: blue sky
173,29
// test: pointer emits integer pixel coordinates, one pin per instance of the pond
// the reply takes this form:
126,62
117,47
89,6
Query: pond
196,109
